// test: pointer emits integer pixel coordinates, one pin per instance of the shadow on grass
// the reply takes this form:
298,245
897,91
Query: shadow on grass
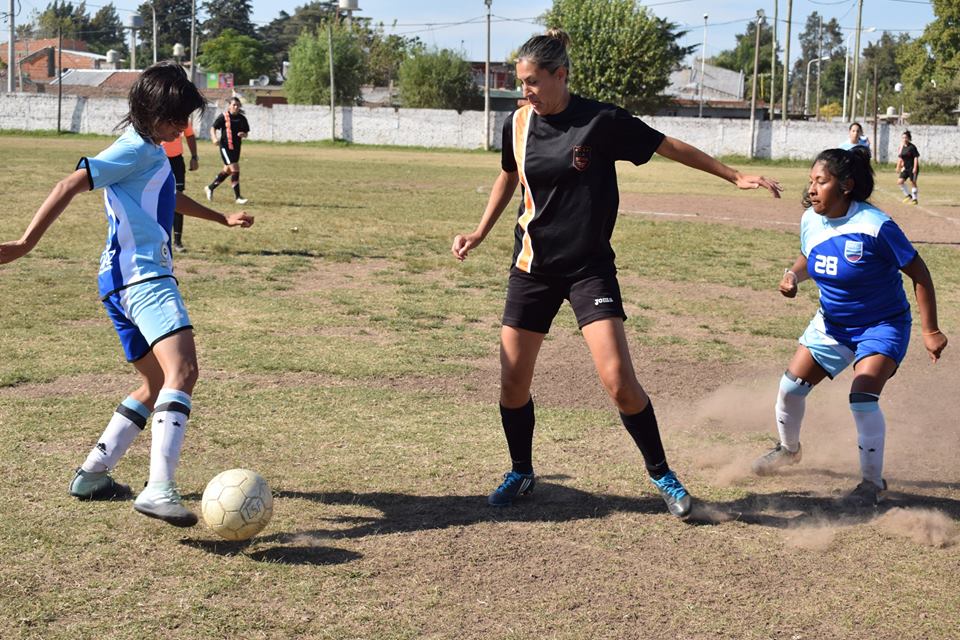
293,554
786,509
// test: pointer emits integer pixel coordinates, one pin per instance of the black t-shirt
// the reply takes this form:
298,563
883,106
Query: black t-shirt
570,195
230,127
908,153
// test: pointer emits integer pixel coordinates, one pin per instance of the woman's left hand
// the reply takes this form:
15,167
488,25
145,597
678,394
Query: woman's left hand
935,344
240,219
755,182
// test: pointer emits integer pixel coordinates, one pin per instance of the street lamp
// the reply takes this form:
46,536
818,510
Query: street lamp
486,84
846,69
898,88
806,90
703,60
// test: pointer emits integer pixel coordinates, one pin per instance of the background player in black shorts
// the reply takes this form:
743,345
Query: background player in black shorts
174,151
234,127
908,167
562,148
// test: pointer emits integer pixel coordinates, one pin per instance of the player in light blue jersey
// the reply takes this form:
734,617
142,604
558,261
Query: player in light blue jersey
855,254
855,138
137,286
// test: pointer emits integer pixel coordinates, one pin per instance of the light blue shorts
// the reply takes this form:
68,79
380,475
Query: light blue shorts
145,313
834,347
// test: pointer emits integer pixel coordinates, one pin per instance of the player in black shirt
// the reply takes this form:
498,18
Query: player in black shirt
562,149
908,167
234,128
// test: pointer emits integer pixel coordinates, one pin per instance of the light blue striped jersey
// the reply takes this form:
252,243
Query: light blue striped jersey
139,196
846,145
855,261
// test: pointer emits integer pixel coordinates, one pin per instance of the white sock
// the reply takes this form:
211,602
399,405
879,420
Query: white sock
791,403
913,193
906,191
126,424
871,432
169,426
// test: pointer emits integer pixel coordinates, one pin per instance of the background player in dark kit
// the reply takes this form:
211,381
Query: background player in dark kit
234,127
908,167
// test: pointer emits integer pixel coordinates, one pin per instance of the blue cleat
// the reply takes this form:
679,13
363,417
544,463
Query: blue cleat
514,485
678,500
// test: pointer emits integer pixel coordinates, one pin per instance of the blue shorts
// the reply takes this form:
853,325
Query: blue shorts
834,347
145,313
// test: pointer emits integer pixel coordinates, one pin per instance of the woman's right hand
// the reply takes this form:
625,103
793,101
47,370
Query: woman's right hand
462,244
788,284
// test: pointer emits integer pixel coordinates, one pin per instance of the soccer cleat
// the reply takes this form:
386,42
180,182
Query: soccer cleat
161,500
179,248
208,192
867,494
907,199
775,459
914,201
241,201
678,500
513,486
87,485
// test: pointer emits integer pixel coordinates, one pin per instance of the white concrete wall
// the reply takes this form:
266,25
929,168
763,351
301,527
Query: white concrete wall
439,128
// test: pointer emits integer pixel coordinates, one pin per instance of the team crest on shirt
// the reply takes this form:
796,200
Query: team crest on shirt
853,251
581,157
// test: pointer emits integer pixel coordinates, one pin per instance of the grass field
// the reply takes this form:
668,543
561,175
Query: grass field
348,358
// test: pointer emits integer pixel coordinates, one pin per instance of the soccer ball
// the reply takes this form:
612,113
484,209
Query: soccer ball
237,504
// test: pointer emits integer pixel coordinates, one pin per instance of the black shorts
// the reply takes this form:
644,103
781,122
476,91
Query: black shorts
230,156
179,171
907,174
533,301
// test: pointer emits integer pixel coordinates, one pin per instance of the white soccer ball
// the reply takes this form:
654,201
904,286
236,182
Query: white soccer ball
237,504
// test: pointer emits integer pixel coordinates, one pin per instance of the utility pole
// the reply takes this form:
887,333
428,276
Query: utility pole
10,49
59,76
773,61
153,8
786,61
486,84
856,60
333,113
703,61
874,145
753,96
193,43
819,59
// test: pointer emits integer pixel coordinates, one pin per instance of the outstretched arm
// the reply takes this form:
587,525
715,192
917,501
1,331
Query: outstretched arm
55,204
500,195
692,157
194,158
933,339
190,207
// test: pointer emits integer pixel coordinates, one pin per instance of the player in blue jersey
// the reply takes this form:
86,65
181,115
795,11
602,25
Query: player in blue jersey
137,286
855,138
855,254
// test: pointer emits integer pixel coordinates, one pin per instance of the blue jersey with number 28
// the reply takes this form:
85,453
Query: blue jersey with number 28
855,261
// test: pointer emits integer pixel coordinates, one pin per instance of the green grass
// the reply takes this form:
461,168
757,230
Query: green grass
352,361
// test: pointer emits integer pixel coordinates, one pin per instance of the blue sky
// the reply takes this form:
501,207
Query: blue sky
460,24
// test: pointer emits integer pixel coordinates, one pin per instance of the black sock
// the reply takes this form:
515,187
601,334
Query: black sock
236,189
220,178
518,427
643,428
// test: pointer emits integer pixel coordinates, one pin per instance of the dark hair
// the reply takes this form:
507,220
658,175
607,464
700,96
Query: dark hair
239,104
909,137
548,50
847,164
855,124
162,93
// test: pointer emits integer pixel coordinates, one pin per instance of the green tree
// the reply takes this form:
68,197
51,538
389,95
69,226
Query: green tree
308,81
621,53
173,26
385,54
810,49
235,53
740,58
438,79
282,32
72,19
932,61
106,31
227,14
882,57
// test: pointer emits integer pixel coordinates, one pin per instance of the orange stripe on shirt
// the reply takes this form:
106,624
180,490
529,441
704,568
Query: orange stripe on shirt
521,130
